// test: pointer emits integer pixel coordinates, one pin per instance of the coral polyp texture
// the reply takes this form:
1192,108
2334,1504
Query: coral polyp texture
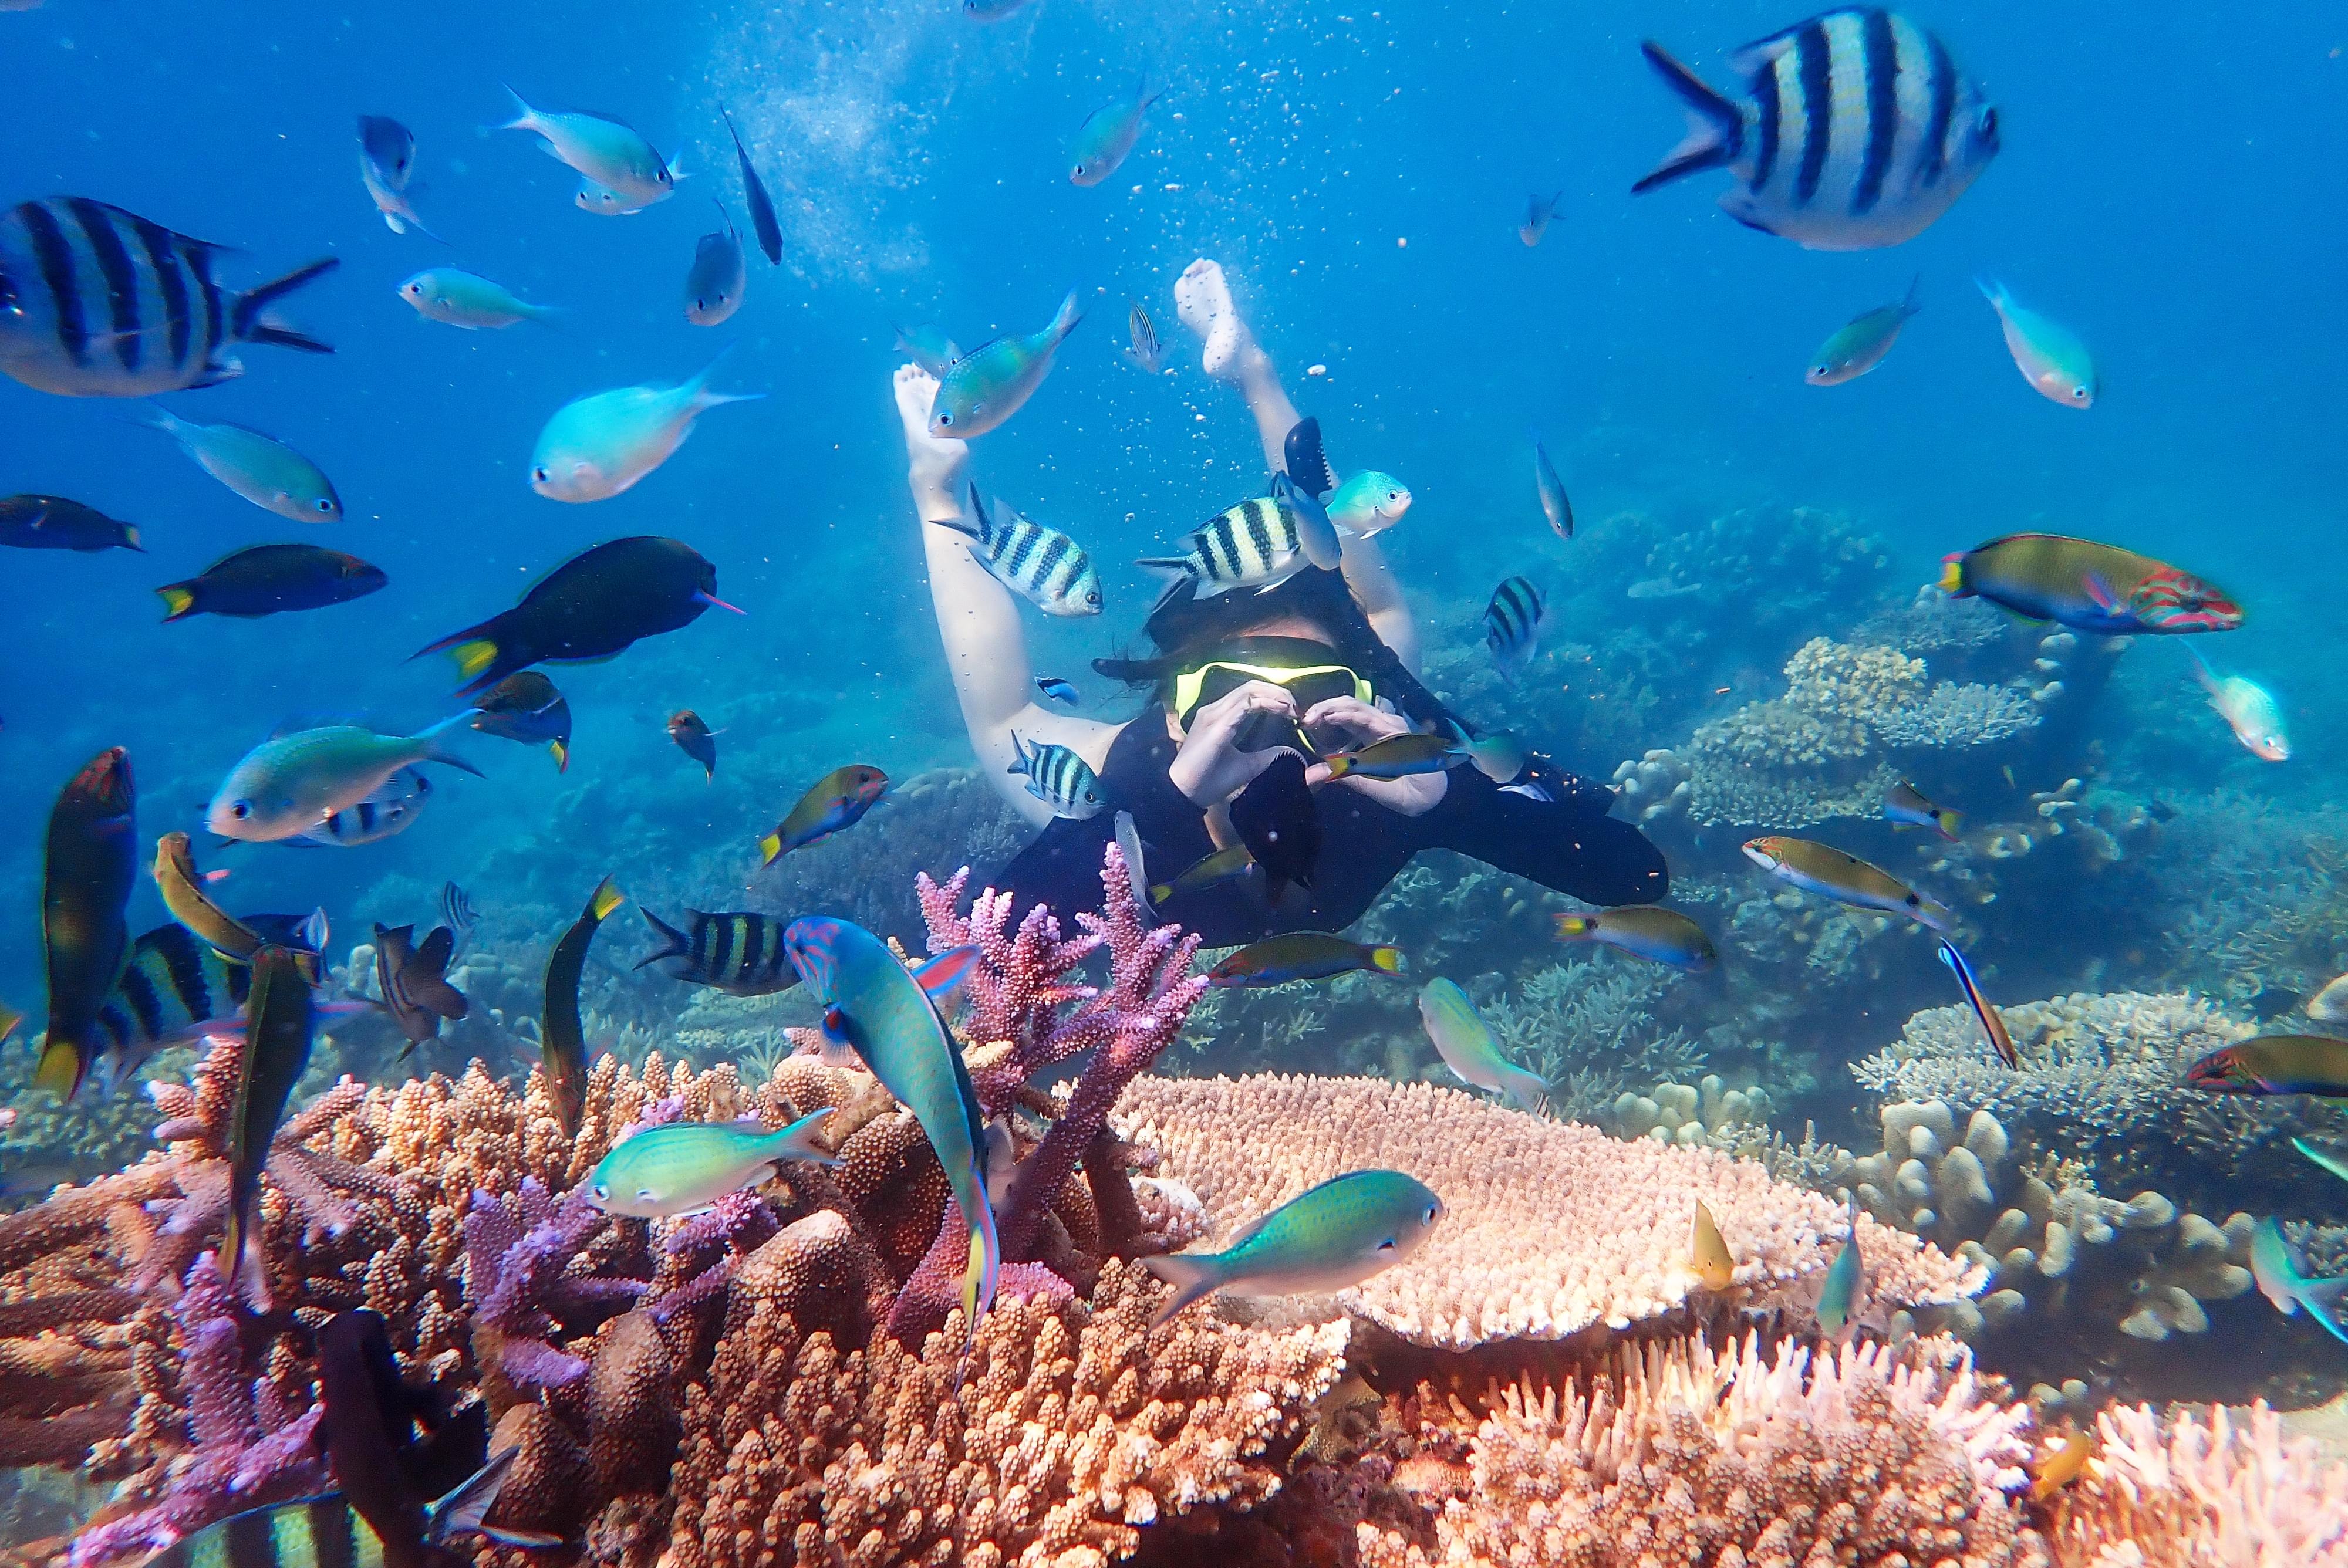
1551,1228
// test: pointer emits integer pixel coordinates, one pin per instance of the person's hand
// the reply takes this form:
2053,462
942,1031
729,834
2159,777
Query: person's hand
1348,724
1209,768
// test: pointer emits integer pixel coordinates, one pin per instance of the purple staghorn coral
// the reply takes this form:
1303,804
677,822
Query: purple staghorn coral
248,1449
517,1284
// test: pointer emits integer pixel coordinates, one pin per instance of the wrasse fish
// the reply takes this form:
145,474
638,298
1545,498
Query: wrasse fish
1471,1049
54,523
2087,587
2049,354
1993,1023
1903,801
526,707
87,865
267,579
280,1024
1659,936
838,800
2264,1064
1844,878
695,738
1303,956
563,1036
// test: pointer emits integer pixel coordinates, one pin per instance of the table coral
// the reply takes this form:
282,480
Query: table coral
1551,1228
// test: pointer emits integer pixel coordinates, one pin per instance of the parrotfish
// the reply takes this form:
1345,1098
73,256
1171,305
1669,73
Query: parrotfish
1708,1254
754,190
1303,956
1326,1238
683,1165
719,276
2280,1279
695,738
290,783
739,952
1659,936
1858,130
1540,211
1844,1295
563,1035
2313,1064
1903,801
526,707
610,154
1108,135
1993,1023
2248,709
1369,503
1058,777
2087,587
1472,1051
463,299
1550,489
88,863
267,580
261,468
840,799
1844,878
987,386
54,523
2049,354
101,302
872,1005
1859,345
281,1022
595,605
598,446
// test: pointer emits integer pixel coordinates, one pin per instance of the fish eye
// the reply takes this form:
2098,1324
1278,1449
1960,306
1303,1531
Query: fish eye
241,809
1988,124
323,504
602,1192
2078,395
945,419
1432,1210
2190,601
538,476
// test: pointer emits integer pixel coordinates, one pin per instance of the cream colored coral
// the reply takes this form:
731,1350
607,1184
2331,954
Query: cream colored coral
1550,1227
2230,1491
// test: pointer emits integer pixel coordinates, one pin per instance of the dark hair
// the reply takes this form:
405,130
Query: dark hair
1189,632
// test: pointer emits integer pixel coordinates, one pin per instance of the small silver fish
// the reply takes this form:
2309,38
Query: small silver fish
1552,491
1145,351
261,468
1539,210
928,347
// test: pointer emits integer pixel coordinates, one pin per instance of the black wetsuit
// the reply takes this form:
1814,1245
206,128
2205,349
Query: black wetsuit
1568,844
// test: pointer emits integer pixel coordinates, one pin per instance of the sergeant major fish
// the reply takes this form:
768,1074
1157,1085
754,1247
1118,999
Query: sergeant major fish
738,952
1325,1239
623,172
1858,131
96,301
176,988
991,382
1513,622
1058,777
391,808
1254,545
1043,565
601,445
261,468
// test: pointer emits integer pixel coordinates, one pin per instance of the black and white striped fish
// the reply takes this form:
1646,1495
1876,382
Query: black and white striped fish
1254,545
1145,351
1858,131
1041,565
1513,621
414,979
391,809
738,952
175,987
457,909
1059,778
96,301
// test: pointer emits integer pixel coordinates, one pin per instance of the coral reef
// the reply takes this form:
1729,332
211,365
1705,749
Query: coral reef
1612,1218
2225,1491
1708,1114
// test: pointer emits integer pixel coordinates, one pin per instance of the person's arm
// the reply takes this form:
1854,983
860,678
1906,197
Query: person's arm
978,618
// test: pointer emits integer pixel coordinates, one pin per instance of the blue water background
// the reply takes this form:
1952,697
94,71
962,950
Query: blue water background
2167,189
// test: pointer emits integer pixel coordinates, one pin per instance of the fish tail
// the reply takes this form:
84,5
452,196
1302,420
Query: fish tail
984,1271
482,657
797,1141
1527,1090
562,750
1160,891
525,117
2204,672
1995,292
179,599
1907,302
1716,126
676,944
1932,912
131,538
1193,1276
1389,960
769,848
2324,1301
1952,575
606,898
437,750
1949,823
245,316
63,1067
1574,928
1065,318
697,394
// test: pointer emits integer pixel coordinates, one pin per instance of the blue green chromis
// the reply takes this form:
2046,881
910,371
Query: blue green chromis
1471,1051
681,1166
987,386
1327,1238
1844,1291
2276,1268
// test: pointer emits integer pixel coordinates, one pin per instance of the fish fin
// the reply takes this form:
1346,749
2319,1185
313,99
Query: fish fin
797,1141
1193,1276
1949,823
983,1272
606,898
525,117
425,976
245,316
1995,292
178,600
437,751
770,849
1065,318
562,750
1389,961
131,538
1160,891
838,1053
1952,575
939,977
1716,126
2323,1299
461,1511
63,1067
2203,670
677,945
1178,566
1909,305
2099,592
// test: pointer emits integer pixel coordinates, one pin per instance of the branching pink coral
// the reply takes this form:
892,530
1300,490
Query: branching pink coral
516,1286
249,1449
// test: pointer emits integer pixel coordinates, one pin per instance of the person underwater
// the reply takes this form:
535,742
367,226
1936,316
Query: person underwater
1249,692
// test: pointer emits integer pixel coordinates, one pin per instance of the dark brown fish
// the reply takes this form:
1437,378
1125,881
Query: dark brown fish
281,1020
563,1036
89,864
694,739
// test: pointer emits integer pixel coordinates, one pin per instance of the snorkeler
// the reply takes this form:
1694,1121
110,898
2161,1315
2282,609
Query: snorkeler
1322,663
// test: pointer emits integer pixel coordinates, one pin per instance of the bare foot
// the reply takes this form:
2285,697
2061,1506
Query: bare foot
1202,298
937,464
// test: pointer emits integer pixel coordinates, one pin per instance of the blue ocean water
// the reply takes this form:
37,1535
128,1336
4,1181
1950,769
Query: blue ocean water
2165,188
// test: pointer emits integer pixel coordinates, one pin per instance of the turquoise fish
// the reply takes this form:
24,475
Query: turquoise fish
871,1004
1369,503
987,386
1859,345
2276,1268
1844,1291
291,783
609,153
685,1166
1326,1238
2248,709
2050,355
1472,1051
1108,135
467,300
261,468
598,445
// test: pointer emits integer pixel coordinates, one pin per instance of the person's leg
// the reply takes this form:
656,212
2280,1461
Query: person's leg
978,619
1202,298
